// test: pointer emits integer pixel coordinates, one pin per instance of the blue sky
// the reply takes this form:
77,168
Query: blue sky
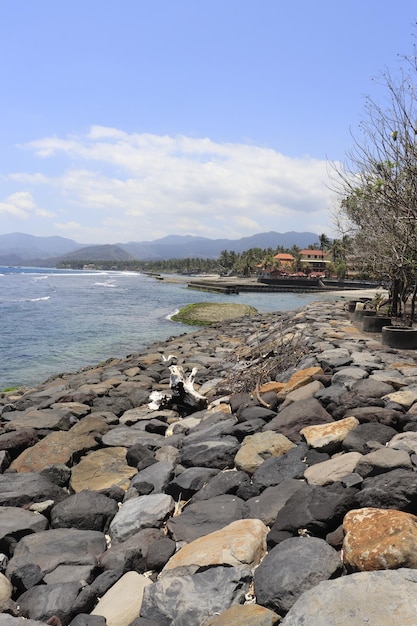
132,120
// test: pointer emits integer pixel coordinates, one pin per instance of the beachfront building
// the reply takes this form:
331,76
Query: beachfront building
314,260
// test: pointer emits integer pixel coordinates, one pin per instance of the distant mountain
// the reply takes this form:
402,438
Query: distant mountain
106,252
182,247
21,249
18,248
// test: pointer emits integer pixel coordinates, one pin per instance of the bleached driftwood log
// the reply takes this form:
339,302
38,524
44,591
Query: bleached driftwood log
182,397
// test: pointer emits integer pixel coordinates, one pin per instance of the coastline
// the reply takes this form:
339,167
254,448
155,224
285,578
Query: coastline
178,488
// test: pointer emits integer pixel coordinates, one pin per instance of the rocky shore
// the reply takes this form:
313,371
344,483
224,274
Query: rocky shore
256,472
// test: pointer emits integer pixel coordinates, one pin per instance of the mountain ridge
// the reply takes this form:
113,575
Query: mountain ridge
24,249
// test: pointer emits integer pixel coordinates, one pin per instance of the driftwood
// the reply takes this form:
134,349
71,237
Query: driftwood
182,396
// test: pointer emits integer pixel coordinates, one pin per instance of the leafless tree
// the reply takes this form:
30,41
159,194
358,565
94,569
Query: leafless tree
378,185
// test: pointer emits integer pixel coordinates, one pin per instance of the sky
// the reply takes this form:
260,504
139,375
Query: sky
137,119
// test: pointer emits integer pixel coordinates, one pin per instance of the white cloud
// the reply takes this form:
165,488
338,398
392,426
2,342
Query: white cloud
122,187
22,205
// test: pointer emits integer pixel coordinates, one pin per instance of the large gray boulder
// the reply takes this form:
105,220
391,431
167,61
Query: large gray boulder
365,598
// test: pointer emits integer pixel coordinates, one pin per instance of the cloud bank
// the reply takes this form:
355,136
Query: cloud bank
109,186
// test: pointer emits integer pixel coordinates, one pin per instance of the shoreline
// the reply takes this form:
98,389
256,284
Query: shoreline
217,500
330,296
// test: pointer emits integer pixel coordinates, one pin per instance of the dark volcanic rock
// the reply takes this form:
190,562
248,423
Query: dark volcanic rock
291,568
22,489
190,481
68,551
121,555
357,439
317,510
44,601
86,510
276,469
226,482
206,516
296,416
393,490
214,453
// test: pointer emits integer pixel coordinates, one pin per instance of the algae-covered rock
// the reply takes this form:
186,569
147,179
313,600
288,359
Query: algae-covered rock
205,313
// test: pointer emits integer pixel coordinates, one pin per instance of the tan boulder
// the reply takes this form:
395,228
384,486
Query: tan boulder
58,447
404,397
255,449
242,542
102,469
329,437
377,539
121,604
299,379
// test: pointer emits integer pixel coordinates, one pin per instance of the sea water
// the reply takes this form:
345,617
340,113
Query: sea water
55,321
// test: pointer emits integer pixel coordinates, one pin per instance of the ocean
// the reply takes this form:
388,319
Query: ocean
55,321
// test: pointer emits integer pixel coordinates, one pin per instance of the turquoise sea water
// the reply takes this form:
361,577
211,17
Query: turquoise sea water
55,321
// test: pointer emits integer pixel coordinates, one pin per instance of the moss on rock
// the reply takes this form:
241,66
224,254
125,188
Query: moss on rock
206,313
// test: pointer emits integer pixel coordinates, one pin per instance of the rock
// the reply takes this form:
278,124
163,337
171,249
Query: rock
23,489
6,590
15,442
357,439
332,470
44,601
158,474
189,482
267,505
404,441
256,448
131,553
404,397
39,419
379,539
393,490
57,473
300,378
296,416
214,453
248,614
205,516
122,603
302,393
314,509
102,469
222,483
139,513
240,543
16,522
192,599
276,469
383,460
124,437
291,568
159,553
86,510
51,549
393,592
329,437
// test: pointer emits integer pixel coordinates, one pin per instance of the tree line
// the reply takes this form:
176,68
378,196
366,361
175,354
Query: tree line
248,263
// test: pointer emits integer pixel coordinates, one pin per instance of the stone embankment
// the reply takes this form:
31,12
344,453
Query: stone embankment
291,497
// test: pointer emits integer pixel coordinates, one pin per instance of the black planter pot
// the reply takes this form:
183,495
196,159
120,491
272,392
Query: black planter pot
352,306
402,337
375,323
